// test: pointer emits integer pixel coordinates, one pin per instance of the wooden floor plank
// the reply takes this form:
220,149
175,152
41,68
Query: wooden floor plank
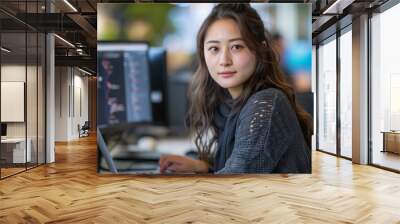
70,191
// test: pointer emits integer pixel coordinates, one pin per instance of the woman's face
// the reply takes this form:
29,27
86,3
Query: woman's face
229,61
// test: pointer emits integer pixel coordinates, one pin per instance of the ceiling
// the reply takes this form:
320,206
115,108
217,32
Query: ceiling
79,27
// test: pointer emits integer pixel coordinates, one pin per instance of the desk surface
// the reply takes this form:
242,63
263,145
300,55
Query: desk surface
390,132
14,140
177,146
123,155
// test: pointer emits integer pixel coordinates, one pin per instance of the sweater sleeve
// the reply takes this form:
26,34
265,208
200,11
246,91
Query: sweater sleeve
263,133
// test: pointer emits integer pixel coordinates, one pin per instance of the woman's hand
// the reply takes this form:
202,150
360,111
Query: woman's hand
181,164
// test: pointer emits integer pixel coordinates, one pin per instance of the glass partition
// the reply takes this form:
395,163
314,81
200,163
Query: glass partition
31,97
22,77
14,152
41,86
314,90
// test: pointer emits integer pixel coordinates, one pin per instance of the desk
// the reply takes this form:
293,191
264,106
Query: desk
13,150
130,159
177,146
391,141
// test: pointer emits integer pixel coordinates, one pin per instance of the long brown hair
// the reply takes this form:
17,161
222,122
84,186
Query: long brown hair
205,94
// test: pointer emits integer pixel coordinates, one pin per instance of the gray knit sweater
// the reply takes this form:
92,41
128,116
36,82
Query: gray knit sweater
265,137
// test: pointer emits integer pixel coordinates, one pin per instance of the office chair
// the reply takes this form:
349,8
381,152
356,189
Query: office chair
84,130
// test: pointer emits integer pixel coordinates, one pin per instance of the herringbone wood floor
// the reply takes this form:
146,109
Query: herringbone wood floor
70,191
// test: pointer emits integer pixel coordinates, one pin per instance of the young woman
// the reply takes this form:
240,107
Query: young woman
243,113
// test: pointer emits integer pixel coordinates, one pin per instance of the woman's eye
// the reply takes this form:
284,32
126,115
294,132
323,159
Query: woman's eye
213,49
237,47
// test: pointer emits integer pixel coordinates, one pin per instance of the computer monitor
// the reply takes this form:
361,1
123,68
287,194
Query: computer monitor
124,89
3,129
159,83
131,93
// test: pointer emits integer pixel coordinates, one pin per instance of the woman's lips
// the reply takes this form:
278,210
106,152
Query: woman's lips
226,74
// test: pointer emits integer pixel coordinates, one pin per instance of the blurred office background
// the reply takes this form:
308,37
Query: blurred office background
174,27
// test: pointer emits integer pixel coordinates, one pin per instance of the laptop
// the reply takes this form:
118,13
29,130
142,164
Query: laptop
140,162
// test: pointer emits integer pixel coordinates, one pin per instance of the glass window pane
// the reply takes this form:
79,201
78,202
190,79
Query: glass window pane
385,86
327,97
346,94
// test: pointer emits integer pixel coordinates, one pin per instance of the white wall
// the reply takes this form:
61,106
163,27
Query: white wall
71,94
13,73
81,104
61,103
